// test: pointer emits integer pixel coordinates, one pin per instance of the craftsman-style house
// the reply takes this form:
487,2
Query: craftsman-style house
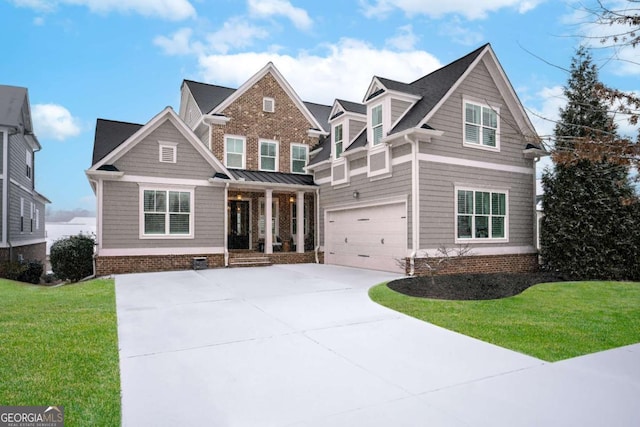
257,175
22,231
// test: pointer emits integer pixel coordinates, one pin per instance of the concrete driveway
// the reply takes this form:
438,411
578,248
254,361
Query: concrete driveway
302,345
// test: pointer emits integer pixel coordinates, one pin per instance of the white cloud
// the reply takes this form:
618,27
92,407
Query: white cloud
460,33
235,33
268,8
178,43
405,39
546,112
344,72
54,121
471,9
174,10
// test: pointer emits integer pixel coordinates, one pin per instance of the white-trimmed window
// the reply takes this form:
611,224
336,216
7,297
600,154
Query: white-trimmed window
294,219
234,149
269,156
29,162
31,214
337,141
376,124
275,218
480,125
168,152
299,156
481,214
268,105
167,213
37,219
21,214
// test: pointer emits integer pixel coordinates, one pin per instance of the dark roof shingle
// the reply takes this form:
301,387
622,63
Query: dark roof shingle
109,135
208,96
272,177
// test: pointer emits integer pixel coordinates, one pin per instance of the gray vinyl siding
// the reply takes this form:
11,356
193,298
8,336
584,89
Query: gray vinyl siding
358,163
121,218
17,161
16,236
203,135
396,186
339,172
355,127
325,173
378,161
449,118
437,202
143,158
2,135
400,151
398,108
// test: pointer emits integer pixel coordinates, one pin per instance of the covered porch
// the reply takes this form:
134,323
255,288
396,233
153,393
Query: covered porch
271,219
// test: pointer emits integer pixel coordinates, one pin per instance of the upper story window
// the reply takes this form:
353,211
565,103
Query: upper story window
268,105
268,156
234,152
376,123
166,213
481,214
29,162
480,125
299,155
337,141
168,152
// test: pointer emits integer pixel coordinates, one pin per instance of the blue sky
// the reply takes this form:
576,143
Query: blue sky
125,59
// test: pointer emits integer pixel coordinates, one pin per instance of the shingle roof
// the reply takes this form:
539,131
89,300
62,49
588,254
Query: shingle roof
432,88
320,112
208,96
109,135
12,98
353,107
360,141
272,177
325,153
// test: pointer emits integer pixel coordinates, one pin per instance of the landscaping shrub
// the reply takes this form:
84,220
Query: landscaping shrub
23,271
12,270
72,257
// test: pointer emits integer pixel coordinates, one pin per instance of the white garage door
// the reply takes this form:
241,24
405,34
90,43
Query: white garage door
373,237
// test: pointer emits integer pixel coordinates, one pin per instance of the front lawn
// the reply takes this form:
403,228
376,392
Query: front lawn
551,321
59,346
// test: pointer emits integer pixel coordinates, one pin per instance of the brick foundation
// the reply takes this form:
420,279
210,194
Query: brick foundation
37,251
106,265
294,257
522,263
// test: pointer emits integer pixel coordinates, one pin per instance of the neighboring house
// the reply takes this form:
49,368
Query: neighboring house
22,207
446,160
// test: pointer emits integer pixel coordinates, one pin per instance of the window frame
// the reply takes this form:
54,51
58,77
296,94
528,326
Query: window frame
276,158
294,220
275,217
481,125
243,154
380,125
336,154
29,164
265,101
474,215
306,158
167,213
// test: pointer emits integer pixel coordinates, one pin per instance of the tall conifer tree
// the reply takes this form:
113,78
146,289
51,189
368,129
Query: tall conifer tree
590,228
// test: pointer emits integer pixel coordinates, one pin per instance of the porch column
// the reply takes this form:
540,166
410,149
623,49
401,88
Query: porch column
268,231
300,219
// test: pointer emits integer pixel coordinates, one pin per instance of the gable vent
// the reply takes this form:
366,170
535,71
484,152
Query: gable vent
268,105
168,153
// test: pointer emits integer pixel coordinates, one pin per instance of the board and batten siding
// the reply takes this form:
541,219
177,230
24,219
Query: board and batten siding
437,202
143,158
449,118
121,218
396,186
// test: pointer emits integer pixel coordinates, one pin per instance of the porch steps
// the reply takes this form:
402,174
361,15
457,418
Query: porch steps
249,261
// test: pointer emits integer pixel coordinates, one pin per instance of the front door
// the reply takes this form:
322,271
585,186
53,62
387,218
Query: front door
238,224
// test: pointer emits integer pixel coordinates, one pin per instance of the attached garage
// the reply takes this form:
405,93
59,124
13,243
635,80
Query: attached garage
367,237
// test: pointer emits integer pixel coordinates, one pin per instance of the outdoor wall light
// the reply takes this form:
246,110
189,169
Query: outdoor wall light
356,194
291,200
239,197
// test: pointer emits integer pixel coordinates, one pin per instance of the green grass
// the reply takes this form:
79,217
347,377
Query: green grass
59,346
551,321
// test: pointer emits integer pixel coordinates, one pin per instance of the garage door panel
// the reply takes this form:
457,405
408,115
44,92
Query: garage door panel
373,237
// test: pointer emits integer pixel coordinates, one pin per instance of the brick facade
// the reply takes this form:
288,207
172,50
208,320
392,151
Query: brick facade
106,265
36,251
286,124
522,263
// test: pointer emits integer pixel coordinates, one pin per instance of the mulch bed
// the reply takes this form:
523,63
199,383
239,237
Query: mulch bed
471,286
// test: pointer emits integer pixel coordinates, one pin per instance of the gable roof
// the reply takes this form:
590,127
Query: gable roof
12,98
207,96
109,135
352,107
321,113
120,129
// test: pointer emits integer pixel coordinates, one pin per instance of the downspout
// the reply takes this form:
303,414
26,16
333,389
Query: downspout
6,232
415,206
226,225
317,227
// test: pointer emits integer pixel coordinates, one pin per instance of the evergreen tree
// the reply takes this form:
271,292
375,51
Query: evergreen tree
590,227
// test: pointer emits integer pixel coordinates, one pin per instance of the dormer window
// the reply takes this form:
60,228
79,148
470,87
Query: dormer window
376,124
168,152
337,141
268,105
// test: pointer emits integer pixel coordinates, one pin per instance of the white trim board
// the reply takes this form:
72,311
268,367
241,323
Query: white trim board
160,251
475,164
